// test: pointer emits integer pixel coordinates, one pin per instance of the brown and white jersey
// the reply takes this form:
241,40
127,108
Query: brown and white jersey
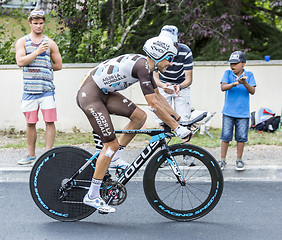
121,72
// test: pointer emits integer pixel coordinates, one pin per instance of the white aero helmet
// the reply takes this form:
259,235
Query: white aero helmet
159,48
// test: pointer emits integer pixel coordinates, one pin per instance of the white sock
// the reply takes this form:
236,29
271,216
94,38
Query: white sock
94,190
118,153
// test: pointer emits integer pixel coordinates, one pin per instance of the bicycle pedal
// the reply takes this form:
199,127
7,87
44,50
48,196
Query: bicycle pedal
100,212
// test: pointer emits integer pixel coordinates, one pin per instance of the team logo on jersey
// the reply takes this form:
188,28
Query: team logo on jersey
115,85
113,78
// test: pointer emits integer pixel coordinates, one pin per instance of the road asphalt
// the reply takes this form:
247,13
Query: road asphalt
263,163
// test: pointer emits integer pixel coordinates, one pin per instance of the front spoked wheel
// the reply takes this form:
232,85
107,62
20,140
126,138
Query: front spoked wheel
51,171
191,196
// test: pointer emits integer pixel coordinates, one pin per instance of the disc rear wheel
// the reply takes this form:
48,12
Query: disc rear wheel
52,171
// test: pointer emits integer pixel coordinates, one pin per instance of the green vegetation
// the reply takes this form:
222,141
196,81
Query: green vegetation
92,31
12,139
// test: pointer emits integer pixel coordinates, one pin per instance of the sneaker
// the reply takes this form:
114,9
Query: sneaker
222,165
119,163
189,161
99,204
27,160
240,166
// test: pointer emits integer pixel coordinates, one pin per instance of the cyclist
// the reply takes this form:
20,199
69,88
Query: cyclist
98,97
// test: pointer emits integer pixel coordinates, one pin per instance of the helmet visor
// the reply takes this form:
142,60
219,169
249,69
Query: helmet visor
169,58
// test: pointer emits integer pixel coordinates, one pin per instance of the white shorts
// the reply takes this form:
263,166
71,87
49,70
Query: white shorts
180,104
45,101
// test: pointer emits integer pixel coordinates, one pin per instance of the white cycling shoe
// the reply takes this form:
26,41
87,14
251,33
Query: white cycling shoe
99,204
119,163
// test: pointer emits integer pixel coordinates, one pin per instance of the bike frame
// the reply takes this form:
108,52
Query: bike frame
157,140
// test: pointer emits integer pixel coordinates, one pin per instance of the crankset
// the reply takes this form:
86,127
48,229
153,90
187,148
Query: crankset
114,193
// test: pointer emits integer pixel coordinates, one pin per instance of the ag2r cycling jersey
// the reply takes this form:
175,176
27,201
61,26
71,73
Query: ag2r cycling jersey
121,72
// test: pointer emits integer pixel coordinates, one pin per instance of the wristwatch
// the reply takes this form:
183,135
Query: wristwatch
181,87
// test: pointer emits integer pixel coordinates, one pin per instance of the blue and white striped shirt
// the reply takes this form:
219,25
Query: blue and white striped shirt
182,61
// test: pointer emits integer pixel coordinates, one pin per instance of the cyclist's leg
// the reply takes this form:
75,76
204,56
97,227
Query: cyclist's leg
92,101
137,121
119,105
104,159
93,197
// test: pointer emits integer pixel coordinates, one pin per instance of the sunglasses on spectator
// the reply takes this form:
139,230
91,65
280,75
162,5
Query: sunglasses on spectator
169,58
34,13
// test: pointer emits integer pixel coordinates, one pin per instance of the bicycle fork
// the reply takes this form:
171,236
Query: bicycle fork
173,165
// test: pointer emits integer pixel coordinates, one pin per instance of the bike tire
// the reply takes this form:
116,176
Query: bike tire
203,183
46,178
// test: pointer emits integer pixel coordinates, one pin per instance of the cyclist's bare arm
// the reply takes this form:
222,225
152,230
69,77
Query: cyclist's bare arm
160,110
165,104
157,103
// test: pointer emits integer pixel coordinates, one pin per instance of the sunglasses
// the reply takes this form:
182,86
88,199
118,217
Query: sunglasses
169,58
34,13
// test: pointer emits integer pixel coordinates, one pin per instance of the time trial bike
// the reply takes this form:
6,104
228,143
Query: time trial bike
176,189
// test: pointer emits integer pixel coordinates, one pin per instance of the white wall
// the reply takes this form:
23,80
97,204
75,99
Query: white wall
205,93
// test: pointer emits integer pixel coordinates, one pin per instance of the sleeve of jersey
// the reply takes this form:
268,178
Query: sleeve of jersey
146,80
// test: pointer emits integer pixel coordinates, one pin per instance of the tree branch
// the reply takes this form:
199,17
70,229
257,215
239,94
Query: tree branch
135,23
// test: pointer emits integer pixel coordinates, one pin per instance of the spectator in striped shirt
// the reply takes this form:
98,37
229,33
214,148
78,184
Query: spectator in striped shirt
39,56
174,83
